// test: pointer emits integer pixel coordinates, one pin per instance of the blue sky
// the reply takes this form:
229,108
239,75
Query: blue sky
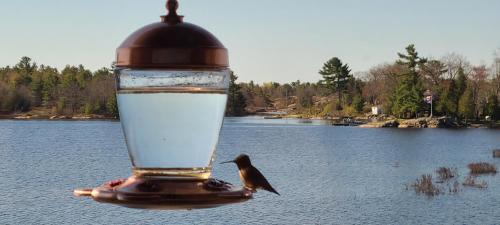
268,40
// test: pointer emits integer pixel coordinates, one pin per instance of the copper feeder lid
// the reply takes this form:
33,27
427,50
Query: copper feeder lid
172,43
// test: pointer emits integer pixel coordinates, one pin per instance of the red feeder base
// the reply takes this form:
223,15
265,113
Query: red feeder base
167,194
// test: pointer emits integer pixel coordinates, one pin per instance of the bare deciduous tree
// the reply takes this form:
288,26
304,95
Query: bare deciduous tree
453,62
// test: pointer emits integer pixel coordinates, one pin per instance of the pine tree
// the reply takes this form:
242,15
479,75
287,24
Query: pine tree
461,81
25,68
49,83
461,85
357,103
36,88
408,95
492,108
236,103
466,105
447,104
112,106
335,77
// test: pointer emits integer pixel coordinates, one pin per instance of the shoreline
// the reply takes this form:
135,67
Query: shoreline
419,123
25,117
391,122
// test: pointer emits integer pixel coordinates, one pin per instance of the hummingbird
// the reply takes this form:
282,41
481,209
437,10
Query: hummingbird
251,177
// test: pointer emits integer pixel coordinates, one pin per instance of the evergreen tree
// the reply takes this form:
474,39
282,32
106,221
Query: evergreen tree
336,77
409,92
492,108
83,76
70,90
36,88
73,84
466,105
461,86
461,81
50,81
112,106
354,88
25,68
357,103
447,104
236,103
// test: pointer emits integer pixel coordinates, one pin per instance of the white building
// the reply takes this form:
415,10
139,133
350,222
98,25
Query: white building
376,110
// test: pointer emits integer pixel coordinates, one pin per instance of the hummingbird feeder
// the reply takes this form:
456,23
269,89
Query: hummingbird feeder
172,80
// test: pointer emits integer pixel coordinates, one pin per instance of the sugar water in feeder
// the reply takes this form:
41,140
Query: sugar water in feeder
172,119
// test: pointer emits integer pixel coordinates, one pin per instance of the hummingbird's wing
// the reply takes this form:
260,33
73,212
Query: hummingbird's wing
259,180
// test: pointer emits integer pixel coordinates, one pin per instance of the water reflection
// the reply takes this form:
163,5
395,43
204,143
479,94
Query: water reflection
282,121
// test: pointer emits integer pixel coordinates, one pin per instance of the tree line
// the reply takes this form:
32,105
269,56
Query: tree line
457,88
74,90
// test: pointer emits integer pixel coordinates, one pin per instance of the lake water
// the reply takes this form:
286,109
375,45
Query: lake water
325,174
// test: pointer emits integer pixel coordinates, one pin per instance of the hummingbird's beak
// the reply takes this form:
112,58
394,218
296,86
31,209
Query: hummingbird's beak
232,161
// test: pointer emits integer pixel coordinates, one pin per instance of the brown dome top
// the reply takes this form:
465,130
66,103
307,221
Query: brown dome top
172,44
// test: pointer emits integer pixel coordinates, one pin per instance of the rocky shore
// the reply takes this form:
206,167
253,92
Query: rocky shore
55,117
392,122
424,122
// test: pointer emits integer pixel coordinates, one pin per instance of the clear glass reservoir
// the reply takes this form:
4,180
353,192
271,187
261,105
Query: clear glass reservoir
171,119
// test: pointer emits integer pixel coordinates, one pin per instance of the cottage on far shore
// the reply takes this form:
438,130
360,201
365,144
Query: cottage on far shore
376,110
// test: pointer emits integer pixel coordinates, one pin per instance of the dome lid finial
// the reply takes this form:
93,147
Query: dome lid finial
172,17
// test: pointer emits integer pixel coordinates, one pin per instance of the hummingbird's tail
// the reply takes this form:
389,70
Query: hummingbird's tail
271,189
